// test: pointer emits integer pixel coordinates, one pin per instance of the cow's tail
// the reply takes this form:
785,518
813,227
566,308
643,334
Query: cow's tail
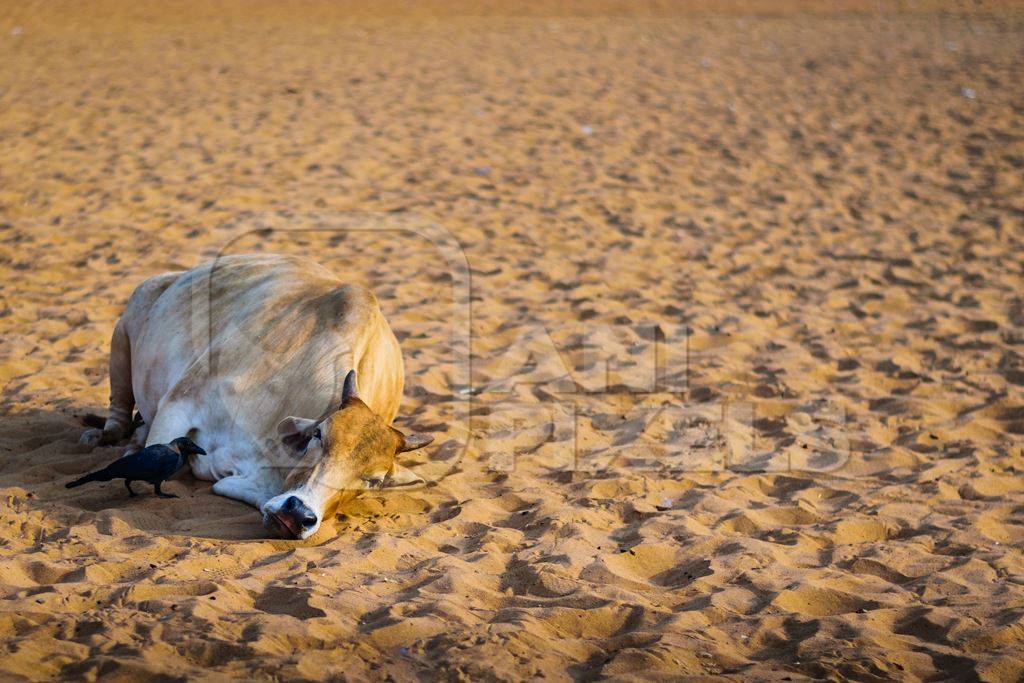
94,421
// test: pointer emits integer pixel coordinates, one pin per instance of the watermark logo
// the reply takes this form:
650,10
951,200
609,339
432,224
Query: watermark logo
584,398
618,397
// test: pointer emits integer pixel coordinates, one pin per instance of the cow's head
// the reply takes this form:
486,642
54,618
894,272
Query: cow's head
347,451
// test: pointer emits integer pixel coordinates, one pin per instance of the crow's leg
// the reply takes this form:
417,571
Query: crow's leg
128,485
161,494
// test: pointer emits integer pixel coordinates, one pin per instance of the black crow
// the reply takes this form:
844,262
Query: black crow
152,464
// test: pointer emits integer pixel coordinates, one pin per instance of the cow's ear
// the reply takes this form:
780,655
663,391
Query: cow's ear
349,389
402,477
295,432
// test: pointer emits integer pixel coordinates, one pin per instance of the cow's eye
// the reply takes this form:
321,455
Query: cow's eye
316,433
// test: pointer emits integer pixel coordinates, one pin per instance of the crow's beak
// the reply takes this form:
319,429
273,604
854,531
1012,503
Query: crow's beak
199,451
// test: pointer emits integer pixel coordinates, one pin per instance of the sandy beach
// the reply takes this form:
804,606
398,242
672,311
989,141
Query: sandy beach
743,287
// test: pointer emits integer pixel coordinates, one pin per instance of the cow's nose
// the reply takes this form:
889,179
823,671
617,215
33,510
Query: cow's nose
298,511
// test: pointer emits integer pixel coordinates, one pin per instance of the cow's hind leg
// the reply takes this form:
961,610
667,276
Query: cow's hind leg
122,398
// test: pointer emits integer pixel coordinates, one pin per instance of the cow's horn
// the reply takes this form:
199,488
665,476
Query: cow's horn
411,442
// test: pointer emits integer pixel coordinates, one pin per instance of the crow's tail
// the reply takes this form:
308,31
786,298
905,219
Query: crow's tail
100,475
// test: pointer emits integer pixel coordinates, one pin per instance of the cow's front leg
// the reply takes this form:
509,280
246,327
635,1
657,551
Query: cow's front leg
251,490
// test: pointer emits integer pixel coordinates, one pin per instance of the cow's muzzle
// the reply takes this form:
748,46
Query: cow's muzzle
293,519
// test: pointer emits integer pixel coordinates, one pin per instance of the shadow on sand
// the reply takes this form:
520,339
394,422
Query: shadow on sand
40,453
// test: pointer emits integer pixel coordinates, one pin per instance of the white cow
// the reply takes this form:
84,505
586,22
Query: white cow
231,351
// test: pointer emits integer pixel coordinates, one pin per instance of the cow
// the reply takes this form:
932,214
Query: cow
287,377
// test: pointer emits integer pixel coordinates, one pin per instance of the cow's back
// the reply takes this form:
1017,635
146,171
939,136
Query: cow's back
246,340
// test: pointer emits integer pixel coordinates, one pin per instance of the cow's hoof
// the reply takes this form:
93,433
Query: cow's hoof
108,436
91,438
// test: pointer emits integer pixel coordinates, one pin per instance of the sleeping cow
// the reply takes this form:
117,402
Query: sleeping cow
256,359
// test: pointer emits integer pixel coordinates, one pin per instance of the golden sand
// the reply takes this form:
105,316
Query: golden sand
832,201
